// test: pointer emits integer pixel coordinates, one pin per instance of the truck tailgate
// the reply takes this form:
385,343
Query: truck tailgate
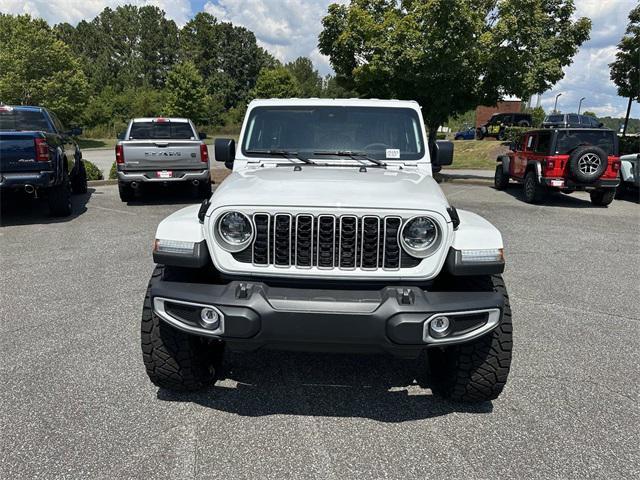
162,155
17,152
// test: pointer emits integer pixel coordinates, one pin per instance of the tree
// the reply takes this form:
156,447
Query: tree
36,68
537,116
625,70
451,55
307,77
276,83
589,114
186,95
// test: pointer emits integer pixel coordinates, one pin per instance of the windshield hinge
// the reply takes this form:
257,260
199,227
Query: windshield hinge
455,219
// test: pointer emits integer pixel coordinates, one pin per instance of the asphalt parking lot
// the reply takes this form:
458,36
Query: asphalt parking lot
76,402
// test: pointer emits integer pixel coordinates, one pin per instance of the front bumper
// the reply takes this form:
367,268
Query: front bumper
392,319
19,180
150,176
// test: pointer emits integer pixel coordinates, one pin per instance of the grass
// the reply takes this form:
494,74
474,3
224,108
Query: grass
477,154
86,143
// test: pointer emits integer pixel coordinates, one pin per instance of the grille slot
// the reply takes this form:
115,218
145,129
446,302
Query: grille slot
325,241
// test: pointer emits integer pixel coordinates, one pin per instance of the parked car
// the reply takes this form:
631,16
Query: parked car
467,133
570,120
630,174
499,122
162,151
40,156
563,159
330,235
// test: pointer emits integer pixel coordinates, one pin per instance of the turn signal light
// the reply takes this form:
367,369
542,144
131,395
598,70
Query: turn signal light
204,153
42,150
119,154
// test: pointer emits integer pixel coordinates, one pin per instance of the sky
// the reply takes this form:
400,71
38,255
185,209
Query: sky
289,29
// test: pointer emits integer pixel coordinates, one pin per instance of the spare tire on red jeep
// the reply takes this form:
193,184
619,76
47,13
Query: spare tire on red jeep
588,163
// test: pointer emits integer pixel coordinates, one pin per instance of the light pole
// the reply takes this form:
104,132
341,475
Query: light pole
555,105
580,105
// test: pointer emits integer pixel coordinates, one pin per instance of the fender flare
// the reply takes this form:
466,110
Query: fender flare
536,167
506,161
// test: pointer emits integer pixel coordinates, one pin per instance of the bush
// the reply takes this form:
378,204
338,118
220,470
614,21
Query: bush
112,172
629,145
93,172
514,134
441,136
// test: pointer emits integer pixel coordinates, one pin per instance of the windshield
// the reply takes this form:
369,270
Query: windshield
568,140
382,133
161,131
30,120
555,118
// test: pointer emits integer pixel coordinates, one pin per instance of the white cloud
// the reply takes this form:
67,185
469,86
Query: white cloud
286,28
72,11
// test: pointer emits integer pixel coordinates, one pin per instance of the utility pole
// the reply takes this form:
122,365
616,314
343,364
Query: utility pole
555,105
580,105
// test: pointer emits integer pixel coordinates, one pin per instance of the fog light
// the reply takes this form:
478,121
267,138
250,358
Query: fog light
439,327
209,318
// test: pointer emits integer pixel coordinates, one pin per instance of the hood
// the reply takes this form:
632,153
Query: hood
332,187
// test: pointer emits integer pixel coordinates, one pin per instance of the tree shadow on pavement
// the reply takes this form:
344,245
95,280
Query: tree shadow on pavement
376,387
19,208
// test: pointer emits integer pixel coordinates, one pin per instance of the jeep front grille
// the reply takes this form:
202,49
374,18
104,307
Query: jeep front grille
346,242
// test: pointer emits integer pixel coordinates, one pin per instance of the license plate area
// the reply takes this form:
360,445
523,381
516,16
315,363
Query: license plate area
164,174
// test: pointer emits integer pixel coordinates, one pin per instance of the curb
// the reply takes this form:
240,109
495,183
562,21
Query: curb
98,183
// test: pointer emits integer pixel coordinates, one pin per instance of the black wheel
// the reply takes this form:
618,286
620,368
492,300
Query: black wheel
523,123
126,192
587,164
602,198
79,180
479,134
533,191
59,199
204,189
500,180
174,359
501,134
476,371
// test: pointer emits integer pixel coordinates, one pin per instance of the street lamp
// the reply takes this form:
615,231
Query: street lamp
580,105
555,105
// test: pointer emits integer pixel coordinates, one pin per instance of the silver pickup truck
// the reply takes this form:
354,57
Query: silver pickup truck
162,150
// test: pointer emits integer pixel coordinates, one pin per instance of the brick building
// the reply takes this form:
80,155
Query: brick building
483,113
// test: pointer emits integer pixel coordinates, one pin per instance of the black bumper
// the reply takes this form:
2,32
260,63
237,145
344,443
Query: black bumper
19,180
391,319
573,185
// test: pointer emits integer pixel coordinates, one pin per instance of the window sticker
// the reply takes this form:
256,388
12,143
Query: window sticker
393,153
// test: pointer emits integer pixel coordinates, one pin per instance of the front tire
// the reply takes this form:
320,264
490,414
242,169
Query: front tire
476,371
79,180
174,359
602,198
500,180
126,192
533,191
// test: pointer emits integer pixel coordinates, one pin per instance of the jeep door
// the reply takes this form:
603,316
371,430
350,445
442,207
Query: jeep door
522,155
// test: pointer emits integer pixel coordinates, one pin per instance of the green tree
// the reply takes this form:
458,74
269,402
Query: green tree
307,77
537,115
625,70
186,94
451,55
37,68
276,83
590,114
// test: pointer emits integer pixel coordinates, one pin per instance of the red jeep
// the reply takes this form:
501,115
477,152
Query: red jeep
563,159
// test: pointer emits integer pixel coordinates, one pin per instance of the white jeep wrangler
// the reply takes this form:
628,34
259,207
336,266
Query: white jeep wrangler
330,235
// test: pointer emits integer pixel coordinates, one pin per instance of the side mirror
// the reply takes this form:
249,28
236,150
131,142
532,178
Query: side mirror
225,151
120,135
443,154
75,131
202,135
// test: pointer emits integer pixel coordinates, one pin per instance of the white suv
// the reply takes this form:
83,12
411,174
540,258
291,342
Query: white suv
330,235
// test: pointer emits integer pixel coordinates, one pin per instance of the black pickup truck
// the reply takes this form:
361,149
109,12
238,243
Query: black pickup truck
39,156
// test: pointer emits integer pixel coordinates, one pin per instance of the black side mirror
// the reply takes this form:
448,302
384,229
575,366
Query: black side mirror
120,135
202,135
225,151
443,153
75,131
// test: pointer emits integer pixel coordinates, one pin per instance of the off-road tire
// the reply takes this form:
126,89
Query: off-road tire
533,191
59,199
126,192
475,371
175,360
602,197
79,180
587,154
500,180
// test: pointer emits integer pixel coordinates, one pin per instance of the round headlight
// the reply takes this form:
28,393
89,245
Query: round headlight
419,236
235,231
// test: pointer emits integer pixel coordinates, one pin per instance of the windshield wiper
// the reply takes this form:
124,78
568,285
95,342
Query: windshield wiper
353,155
289,155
